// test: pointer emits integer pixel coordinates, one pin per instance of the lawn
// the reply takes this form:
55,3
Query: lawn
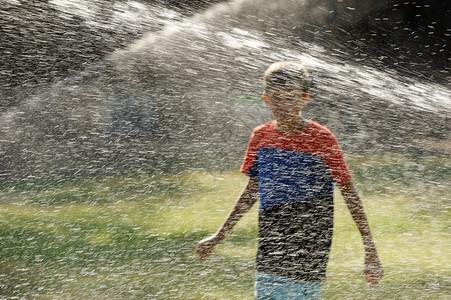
133,237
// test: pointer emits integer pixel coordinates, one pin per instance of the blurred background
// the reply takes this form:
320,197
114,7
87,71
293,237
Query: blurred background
123,125
87,87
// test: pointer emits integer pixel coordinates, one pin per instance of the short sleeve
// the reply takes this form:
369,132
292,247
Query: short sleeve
335,160
249,166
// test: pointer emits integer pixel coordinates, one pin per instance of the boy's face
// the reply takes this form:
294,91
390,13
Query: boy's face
286,103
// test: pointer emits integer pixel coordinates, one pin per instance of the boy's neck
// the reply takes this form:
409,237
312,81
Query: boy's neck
290,126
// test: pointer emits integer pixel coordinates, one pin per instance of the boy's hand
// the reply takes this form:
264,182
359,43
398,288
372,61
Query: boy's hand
373,268
247,198
205,247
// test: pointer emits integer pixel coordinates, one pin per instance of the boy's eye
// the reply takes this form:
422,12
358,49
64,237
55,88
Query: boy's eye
289,94
292,94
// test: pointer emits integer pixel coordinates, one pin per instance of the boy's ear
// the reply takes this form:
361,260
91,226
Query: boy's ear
265,97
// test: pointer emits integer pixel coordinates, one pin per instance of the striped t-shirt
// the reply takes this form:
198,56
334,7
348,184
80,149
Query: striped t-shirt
296,174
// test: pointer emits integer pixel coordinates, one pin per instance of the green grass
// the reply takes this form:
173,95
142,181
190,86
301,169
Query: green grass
134,237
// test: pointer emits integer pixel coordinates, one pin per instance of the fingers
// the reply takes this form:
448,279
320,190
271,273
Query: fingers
205,247
203,251
372,281
204,255
369,279
374,277
373,268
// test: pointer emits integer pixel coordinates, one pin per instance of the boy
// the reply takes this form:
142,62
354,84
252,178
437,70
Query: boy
292,164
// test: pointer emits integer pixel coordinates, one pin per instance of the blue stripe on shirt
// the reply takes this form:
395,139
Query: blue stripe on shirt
290,176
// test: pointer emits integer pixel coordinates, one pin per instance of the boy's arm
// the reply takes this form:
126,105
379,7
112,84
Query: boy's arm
373,266
247,198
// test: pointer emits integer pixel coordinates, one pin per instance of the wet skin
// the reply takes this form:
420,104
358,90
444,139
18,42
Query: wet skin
286,105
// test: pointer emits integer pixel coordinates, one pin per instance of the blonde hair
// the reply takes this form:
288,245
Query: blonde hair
287,74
